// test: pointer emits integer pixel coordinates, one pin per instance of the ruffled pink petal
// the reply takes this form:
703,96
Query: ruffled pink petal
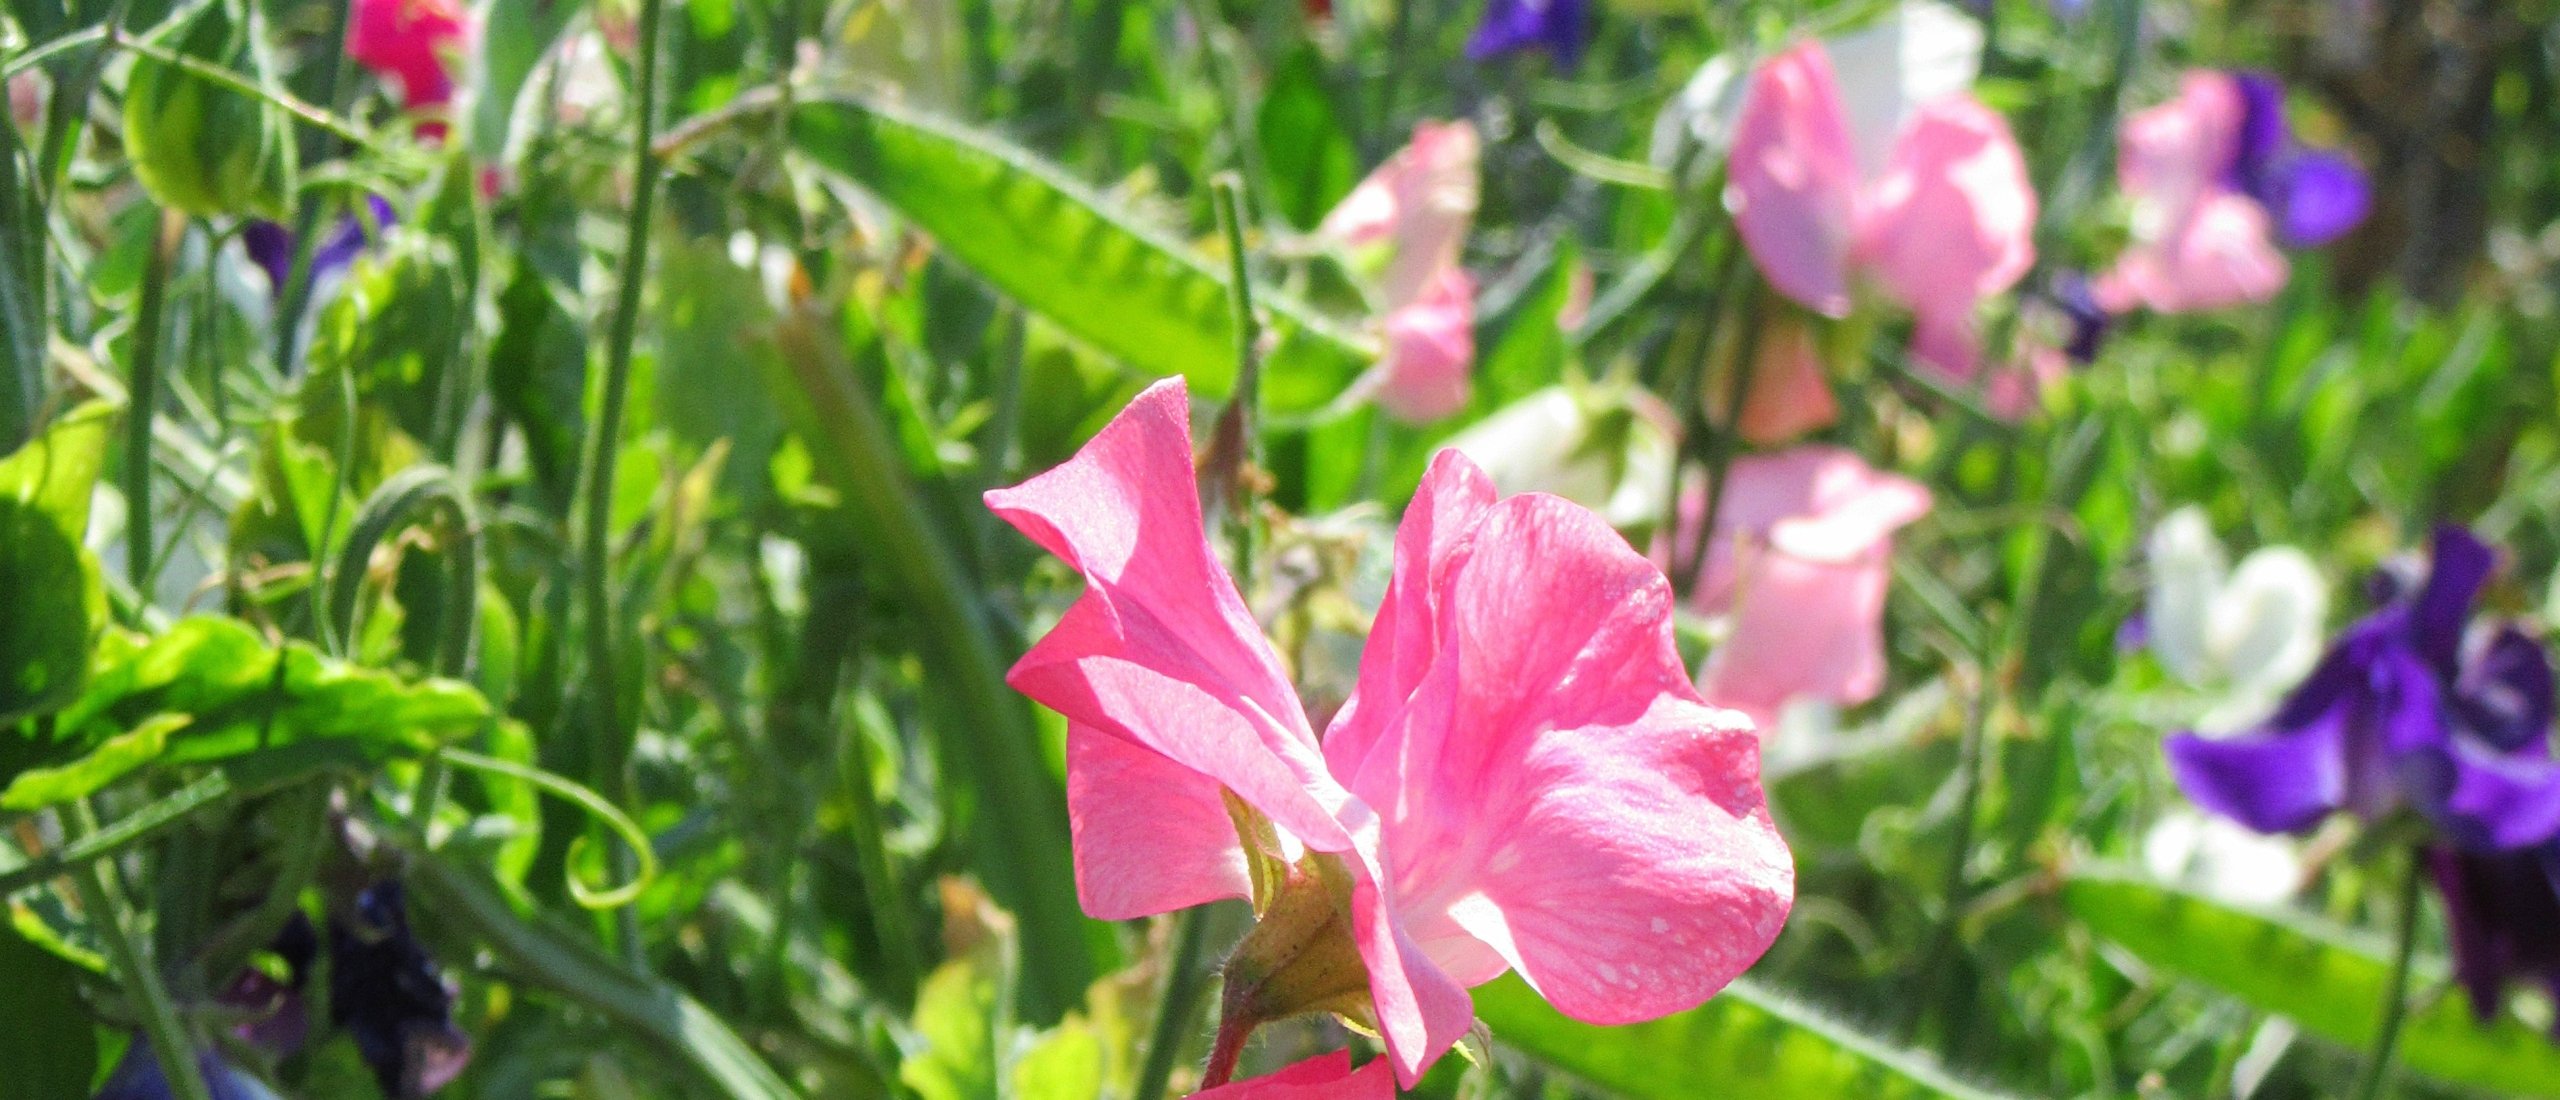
1952,219
1160,651
1814,502
1151,836
2169,157
1431,352
1554,791
1422,1009
410,41
1794,179
2223,255
1323,1077
1404,638
1948,344
1801,629
1420,204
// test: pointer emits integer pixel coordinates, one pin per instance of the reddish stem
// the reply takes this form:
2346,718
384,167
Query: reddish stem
1233,1030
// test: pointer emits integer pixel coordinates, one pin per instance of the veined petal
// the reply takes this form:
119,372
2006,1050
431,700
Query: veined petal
2274,781
2456,571
1151,835
1795,179
1952,219
1419,205
1557,791
1161,651
1404,639
1801,629
1323,1077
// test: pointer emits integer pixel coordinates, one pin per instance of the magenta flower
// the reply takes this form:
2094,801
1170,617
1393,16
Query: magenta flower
1323,1077
1945,225
410,41
1523,778
1801,559
2216,182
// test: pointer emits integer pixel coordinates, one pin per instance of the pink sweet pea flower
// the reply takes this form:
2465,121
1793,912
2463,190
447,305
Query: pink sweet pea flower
1431,347
1323,1077
1801,559
1946,224
2199,244
410,41
1523,778
1416,209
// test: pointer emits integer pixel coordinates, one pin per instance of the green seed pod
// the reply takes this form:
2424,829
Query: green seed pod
197,145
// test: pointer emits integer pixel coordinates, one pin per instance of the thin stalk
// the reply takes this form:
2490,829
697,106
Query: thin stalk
2395,1004
113,917
144,403
310,115
306,217
597,468
1234,449
1179,1007
1727,440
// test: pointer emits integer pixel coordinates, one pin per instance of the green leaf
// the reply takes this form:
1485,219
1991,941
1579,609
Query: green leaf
263,723
23,323
44,515
1067,254
513,39
956,1019
1065,1064
49,1046
1306,151
196,145
1748,1041
2321,978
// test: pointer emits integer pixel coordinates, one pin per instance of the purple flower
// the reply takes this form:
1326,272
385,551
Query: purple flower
2313,196
2408,709
1560,27
392,998
2073,294
138,1076
271,245
2504,912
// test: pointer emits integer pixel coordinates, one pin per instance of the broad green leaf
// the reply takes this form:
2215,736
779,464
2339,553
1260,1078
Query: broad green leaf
1748,1041
44,515
196,145
1064,1064
513,38
240,709
49,1046
956,1020
2319,977
716,341
1066,253
23,323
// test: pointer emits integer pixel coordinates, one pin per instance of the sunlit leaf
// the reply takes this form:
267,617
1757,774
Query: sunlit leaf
58,597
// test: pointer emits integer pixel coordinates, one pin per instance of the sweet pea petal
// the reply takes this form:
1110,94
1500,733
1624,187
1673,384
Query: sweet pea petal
2264,631
1795,179
1431,351
2483,799
1557,791
1952,219
1173,848
1560,27
2276,781
2504,695
2457,569
1789,393
409,41
1160,650
1418,206
2318,197
2220,256
1801,629
1404,638
1323,1077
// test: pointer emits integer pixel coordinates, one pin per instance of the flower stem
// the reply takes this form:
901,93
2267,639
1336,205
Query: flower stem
1727,440
2395,1004
113,917
143,403
1179,1006
1227,1050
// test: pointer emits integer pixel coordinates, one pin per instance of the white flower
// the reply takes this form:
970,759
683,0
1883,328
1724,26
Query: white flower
2223,859
2241,635
1606,448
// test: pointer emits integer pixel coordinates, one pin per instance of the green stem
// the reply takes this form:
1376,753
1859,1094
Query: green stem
143,403
306,218
112,915
1726,443
1233,450
2395,1004
1179,1007
596,475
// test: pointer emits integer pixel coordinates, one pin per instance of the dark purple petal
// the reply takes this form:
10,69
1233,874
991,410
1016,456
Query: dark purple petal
391,997
2503,697
1560,27
2460,566
269,246
2271,782
2089,320
2504,914
2404,702
2316,197
353,235
2263,135
137,1076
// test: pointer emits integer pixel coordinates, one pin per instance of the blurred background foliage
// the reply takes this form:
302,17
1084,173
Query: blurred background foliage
588,505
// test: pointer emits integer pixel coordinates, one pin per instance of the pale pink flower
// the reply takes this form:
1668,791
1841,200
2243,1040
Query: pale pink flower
1800,561
1788,395
412,42
1523,778
1947,224
1415,209
1431,351
1323,1077
2198,243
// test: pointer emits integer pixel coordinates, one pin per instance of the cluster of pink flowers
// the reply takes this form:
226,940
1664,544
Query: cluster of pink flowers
413,43
1523,779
